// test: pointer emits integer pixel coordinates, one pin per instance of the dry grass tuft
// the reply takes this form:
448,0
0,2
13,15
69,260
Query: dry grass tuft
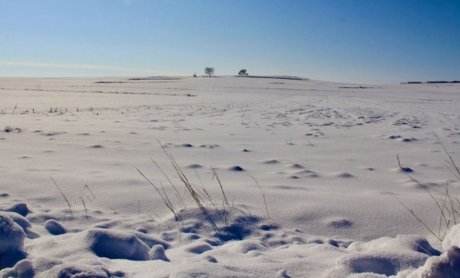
262,193
225,199
63,195
162,192
200,196
447,204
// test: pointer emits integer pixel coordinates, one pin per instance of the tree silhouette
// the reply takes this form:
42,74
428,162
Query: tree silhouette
209,71
243,72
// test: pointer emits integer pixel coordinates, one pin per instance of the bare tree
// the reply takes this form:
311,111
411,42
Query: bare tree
209,71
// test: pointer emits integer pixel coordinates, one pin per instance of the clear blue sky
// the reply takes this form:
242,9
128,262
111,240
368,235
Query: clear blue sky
369,41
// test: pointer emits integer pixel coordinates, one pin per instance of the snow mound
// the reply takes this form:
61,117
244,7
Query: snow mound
18,219
23,268
80,271
221,225
54,227
210,238
447,265
384,256
151,240
19,208
241,227
452,238
158,253
24,223
405,242
11,241
117,245
246,246
198,247
386,263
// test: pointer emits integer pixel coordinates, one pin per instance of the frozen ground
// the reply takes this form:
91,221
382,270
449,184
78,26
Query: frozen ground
323,153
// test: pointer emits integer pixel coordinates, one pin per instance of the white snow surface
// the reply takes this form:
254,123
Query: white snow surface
73,201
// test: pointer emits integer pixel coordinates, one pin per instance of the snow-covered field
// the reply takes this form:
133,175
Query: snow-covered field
309,170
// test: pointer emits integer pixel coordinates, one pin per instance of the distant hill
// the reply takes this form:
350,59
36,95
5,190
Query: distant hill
273,77
431,82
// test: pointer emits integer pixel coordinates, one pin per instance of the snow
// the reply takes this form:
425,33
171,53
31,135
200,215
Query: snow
309,169
117,245
452,238
54,227
11,241
448,265
158,253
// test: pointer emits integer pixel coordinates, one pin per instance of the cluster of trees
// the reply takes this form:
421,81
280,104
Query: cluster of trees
243,72
209,71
